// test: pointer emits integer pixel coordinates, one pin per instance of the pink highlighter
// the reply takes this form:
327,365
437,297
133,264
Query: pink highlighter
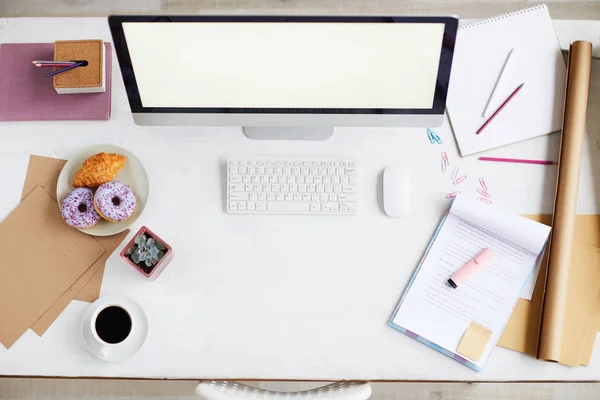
466,270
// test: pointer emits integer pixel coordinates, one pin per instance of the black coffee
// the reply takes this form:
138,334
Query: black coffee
113,324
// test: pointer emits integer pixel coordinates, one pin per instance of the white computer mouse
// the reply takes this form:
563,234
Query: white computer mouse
396,191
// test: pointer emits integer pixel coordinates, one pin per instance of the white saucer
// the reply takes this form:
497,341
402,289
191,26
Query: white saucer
135,340
133,174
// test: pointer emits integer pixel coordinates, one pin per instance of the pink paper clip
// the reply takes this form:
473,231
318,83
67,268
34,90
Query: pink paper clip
460,179
445,158
452,195
483,185
454,173
484,194
487,201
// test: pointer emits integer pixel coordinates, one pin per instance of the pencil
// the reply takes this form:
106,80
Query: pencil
51,74
486,123
497,82
518,160
54,65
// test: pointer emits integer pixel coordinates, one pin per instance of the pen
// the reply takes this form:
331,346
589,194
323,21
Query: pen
513,94
479,261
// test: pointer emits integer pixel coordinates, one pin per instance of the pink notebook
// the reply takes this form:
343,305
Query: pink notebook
25,95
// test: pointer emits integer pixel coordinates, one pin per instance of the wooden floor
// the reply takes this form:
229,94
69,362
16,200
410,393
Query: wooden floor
564,9
122,389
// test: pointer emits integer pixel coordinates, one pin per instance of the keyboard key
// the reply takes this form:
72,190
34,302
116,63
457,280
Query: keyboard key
252,170
264,179
352,180
293,206
324,197
311,188
337,188
347,197
251,162
334,207
314,197
261,206
262,197
309,179
297,197
233,162
276,188
246,179
313,207
306,197
261,162
266,188
281,179
300,179
233,206
235,187
349,188
260,170
293,188
271,196
243,162
328,188
289,197
320,188
234,170
273,179
350,171
235,178
248,187
253,196
327,180
242,206
285,188
239,196
243,170
352,163
302,188
256,179
280,197
251,206
333,197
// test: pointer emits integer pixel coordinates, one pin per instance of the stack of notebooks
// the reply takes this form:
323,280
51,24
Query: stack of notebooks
44,263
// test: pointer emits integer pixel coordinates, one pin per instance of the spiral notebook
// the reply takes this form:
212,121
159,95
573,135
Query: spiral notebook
481,50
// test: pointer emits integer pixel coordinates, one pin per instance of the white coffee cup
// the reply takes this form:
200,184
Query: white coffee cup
114,328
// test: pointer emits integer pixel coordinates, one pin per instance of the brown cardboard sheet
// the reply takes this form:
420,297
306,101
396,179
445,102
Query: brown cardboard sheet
44,171
40,259
590,335
109,243
474,341
522,330
565,203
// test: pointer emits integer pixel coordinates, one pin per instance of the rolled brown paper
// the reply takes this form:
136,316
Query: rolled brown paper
565,202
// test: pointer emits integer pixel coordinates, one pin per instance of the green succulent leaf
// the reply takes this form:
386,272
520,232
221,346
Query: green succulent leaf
160,246
135,257
141,238
160,255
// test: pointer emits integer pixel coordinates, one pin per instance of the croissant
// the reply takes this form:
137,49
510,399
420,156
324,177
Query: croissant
98,169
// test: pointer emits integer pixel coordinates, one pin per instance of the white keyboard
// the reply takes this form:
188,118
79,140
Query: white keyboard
292,186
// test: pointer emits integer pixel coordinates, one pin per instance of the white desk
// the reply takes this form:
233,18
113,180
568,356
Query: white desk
277,297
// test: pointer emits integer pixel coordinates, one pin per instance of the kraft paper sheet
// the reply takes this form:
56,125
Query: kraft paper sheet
565,204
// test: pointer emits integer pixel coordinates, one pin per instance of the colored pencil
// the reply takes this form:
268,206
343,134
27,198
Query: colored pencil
50,62
513,94
53,65
51,74
484,114
517,160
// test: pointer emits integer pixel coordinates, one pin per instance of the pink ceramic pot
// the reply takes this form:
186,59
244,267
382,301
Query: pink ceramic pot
160,266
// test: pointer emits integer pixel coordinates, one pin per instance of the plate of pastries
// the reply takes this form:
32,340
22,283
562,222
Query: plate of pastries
103,190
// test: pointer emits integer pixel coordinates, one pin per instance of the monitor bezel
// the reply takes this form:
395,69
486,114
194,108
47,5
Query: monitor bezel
441,91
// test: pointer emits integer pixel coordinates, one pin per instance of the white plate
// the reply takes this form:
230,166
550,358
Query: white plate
135,340
132,174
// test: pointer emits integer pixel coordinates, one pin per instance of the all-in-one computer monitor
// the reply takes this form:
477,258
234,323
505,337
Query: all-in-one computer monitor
292,77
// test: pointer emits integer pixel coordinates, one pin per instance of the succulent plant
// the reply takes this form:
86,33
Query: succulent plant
146,250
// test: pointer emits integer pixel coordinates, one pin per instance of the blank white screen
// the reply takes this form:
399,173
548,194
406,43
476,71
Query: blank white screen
285,65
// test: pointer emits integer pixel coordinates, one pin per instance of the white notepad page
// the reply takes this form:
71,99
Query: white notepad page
440,314
481,50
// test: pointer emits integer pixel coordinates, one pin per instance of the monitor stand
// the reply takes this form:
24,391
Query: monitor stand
283,133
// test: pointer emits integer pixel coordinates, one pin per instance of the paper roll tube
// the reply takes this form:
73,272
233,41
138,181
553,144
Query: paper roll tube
565,202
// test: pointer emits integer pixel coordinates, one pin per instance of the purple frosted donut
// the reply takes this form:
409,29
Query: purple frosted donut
115,201
78,208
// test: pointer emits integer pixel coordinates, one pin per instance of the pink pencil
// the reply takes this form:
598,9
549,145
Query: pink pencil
517,160
490,119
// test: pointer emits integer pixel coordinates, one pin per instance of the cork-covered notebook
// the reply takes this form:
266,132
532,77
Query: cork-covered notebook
88,78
